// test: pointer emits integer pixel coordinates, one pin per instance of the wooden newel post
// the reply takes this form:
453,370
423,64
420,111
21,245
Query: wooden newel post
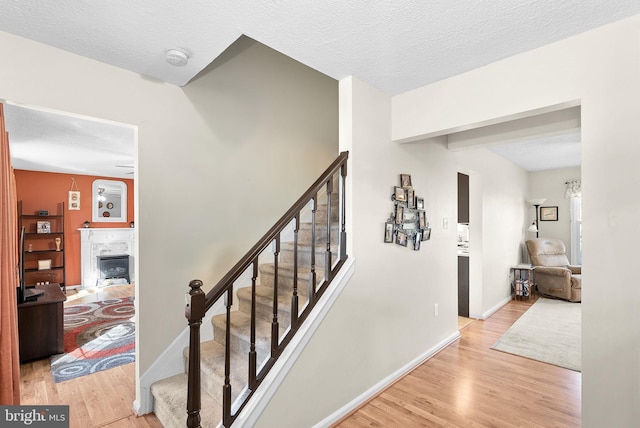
194,312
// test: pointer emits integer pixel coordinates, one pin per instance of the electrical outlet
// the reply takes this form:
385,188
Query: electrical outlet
445,223
435,310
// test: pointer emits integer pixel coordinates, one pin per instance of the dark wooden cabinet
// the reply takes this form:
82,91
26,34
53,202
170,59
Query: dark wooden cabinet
463,198
43,253
41,324
463,286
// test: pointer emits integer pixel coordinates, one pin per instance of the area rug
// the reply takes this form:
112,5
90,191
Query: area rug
97,336
550,331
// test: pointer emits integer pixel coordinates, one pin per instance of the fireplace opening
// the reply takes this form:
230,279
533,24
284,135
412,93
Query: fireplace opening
113,270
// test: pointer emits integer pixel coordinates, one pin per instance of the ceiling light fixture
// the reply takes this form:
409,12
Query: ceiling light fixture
176,57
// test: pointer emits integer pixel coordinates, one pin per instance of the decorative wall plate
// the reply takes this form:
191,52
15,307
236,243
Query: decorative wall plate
109,205
106,214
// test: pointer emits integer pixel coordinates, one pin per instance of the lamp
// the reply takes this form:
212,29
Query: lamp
535,203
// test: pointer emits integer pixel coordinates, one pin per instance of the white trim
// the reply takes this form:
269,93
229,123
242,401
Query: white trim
292,352
491,311
375,389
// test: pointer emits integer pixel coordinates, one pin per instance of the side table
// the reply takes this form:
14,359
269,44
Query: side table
522,283
41,324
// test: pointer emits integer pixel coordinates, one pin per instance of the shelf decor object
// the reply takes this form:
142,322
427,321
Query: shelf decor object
407,225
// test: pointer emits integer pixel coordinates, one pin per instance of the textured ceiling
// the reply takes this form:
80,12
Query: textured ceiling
393,46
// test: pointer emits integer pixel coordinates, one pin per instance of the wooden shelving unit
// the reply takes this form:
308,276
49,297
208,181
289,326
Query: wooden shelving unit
40,246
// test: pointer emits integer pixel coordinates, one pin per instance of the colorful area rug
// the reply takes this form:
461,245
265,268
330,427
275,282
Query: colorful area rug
550,331
97,336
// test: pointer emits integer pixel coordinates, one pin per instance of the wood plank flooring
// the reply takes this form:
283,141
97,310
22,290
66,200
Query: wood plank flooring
103,399
465,385
468,384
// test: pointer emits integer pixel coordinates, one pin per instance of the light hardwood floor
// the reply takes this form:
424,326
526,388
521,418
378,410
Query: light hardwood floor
467,384
103,399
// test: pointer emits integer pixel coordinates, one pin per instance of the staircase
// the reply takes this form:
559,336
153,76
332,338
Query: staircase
284,272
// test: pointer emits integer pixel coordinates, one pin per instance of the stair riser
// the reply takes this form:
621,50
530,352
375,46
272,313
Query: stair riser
264,307
285,281
304,255
305,234
240,342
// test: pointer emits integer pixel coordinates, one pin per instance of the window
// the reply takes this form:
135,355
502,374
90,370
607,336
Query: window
575,212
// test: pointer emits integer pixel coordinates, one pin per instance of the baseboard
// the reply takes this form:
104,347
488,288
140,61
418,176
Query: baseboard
491,311
384,383
253,410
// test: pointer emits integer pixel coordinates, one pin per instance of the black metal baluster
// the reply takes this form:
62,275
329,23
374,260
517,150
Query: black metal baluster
327,257
343,214
194,312
312,274
294,296
274,324
253,358
226,389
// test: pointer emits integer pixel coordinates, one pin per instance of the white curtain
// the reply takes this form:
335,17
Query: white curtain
574,194
574,189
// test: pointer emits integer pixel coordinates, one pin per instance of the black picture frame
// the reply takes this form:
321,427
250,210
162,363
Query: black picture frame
400,194
549,213
411,198
405,181
399,214
402,239
426,234
419,203
388,232
416,241
422,220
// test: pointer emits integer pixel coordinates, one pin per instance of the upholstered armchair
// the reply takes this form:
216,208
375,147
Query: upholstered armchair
553,275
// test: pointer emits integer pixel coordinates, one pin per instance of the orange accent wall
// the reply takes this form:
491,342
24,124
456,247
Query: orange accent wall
45,191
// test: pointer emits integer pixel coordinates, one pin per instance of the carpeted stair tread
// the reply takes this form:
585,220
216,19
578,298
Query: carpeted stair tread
304,253
212,369
264,302
241,333
285,277
170,403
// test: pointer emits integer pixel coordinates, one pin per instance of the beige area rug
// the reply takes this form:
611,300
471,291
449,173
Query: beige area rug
550,331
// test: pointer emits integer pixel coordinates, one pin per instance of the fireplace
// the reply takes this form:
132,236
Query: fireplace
113,270
100,242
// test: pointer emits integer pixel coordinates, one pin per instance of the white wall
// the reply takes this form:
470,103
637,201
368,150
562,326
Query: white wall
497,217
218,160
550,184
384,317
599,68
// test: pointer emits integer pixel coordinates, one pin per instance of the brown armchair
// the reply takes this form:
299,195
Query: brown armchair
553,275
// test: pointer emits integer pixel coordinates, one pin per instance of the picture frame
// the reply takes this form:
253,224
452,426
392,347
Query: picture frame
388,232
422,220
401,239
43,227
400,194
44,264
411,198
419,203
549,213
426,234
405,181
74,200
399,214
416,241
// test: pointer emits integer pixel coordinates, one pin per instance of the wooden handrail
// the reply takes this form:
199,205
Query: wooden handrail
216,292
198,303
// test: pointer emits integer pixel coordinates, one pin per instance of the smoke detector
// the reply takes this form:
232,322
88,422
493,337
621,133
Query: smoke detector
176,58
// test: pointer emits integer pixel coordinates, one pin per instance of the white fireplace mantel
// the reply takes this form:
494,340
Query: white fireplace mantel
104,242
